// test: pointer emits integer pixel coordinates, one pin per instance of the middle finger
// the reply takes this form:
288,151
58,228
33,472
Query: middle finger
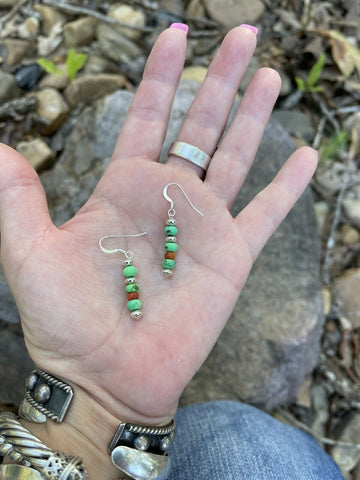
208,114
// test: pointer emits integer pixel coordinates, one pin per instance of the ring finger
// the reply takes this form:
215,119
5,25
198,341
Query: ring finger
208,114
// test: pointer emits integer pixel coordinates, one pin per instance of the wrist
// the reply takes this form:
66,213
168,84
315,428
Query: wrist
87,430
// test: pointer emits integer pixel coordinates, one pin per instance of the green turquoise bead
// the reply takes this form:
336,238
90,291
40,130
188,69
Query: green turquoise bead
168,264
133,305
171,247
132,287
170,230
130,271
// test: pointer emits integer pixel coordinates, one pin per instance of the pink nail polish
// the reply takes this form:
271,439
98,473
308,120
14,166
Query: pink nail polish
180,26
250,27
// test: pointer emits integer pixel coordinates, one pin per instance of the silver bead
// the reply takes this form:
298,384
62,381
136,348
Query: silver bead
136,314
127,262
171,221
142,442
165,443
42,393
167,272
171,239
31,381
130,280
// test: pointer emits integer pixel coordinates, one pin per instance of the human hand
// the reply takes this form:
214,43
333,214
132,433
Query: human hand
71,296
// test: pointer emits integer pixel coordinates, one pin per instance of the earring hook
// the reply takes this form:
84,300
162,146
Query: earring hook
172,210
128,253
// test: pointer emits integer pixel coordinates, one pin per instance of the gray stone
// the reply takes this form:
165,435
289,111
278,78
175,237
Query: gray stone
52,110
296,123
347,457
129,15
36,152
79,32
8,310
15,363
231,13
88,88
352,210
8,87
116,46
49,18
272,339
14,50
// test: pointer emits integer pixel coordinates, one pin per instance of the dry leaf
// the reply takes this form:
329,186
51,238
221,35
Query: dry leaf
345,55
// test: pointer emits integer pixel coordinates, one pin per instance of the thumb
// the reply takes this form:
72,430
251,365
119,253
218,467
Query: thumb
24,215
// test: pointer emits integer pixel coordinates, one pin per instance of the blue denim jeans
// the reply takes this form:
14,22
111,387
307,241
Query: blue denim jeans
232,441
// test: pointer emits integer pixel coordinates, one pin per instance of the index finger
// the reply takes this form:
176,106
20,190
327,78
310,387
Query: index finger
143,132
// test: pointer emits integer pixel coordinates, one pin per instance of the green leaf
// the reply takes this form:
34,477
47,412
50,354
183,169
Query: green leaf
49,66
316,88
330,148
316,70
74,62
300,84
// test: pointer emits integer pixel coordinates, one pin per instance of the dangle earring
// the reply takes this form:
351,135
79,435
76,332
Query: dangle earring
171,231
131,286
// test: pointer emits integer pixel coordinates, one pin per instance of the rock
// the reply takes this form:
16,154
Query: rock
6,3
56,80
349,235
195,8
272,339
50,17
329,178
29,29
14,51
173,7
348,457
322,214
231,13
8,87
47,45
352,211
296,123
79,32
346,291
116,46
195,73
326,294
88,88
131,16
252,68
37,153
97,64
52,109
28,75
15,363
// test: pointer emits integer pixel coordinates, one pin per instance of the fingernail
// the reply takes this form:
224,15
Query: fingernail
250,27
180,26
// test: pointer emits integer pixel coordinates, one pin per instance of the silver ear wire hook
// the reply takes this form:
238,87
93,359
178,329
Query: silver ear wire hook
128,253
171,209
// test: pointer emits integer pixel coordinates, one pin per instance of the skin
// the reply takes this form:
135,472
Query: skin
71,296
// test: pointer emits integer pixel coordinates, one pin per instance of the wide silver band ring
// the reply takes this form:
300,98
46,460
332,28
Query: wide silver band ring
191,154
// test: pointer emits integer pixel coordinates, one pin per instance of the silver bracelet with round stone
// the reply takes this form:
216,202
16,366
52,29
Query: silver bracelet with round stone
141,451
45,397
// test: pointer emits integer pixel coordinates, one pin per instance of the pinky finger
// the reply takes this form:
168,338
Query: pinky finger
262,216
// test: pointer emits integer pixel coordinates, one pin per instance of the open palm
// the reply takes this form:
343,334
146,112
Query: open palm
71,296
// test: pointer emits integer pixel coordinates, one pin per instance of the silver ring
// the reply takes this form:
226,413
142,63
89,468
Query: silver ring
191,154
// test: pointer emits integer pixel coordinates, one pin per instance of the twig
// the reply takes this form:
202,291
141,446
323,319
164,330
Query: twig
319,133
12,12
305,428
329,115
66,7
331,238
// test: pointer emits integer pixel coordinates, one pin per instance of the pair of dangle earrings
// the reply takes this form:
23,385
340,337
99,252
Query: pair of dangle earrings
131,285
